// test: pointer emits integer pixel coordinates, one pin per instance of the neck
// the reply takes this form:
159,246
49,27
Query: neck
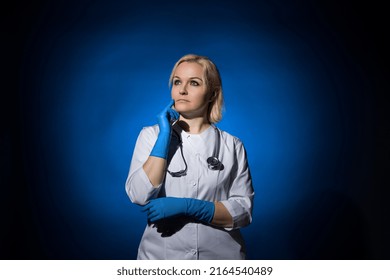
194,125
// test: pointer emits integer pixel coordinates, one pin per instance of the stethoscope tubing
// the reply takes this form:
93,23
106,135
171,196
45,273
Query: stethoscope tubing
213,161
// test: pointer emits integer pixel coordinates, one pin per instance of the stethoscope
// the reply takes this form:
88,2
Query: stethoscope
213,162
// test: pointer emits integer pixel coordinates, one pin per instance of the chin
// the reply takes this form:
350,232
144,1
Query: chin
182,107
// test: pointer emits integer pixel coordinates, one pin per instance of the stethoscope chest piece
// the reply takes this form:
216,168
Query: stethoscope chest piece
213,162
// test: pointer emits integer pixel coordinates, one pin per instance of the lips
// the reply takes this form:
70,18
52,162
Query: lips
182,100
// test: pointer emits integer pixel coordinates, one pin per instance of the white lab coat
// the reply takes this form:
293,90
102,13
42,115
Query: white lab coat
183,237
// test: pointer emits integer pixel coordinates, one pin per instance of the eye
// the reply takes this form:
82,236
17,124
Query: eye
176,82
194,83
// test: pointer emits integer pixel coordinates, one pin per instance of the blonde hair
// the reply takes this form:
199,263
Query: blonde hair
213,82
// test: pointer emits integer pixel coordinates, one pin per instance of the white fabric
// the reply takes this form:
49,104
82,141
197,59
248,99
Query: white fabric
183,238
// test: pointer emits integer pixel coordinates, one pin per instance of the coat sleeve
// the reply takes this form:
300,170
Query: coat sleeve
138,186
241,193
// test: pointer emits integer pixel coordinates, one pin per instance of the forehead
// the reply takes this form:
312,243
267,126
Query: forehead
189,69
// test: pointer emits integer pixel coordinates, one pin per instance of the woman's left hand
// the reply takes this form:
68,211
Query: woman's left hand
168,207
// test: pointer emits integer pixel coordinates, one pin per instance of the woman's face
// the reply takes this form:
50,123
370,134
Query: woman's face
189,90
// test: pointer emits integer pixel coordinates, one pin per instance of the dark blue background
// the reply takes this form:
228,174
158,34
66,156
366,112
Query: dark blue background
304,83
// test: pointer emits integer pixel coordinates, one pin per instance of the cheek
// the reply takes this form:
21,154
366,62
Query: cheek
173,93
206,97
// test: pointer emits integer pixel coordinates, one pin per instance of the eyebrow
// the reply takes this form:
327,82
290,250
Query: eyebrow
191,78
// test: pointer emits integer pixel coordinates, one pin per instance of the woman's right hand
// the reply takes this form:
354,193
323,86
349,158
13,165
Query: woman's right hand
165,117
161,146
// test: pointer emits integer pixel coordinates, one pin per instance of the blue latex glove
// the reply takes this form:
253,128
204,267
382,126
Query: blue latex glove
161,147
168,207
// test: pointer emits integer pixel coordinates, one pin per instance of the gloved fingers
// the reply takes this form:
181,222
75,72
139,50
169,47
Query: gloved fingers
170,104
171,112
166,109
152,210
154,214
146,207
166,116
172,115
154,217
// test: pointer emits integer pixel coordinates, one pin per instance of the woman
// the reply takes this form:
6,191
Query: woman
191,178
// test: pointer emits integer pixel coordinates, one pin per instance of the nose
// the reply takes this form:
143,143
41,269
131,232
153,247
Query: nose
183,90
